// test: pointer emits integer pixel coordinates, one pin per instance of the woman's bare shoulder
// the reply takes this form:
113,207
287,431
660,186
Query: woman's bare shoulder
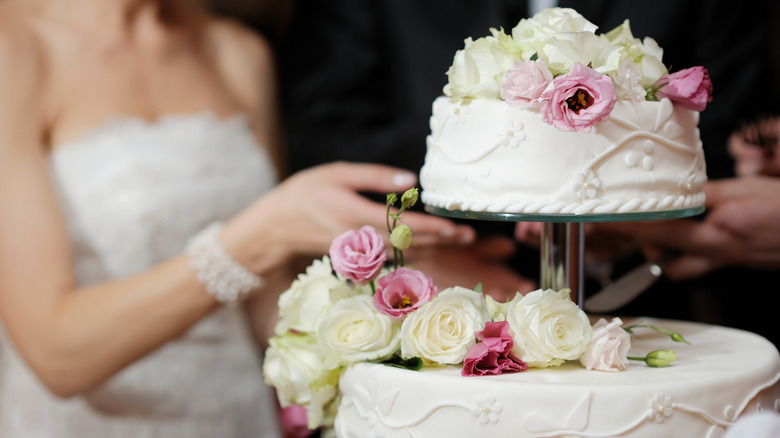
244,57
20,48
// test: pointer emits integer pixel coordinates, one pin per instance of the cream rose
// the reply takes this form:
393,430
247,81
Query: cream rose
652,66
352,330
292,362
608,347
477,69
548,328
560,36
308,295
443,330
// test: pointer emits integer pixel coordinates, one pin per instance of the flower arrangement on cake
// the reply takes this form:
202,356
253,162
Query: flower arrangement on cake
556,63
354,305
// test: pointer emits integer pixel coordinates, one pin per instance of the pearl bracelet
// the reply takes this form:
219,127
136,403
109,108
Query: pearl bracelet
222,276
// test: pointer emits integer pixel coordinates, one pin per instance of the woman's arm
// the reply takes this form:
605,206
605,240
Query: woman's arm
72,338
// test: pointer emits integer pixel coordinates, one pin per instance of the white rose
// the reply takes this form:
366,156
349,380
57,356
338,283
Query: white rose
292,363
352,330
608,347
561,37
477,70
308,295
618,45
443,330
652,66
548,328
551,21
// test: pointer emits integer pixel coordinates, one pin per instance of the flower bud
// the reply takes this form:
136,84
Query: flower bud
660,358
401,237
677,337
409,198
391,198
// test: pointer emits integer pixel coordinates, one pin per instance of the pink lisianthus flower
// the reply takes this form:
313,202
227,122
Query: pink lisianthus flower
403,291
524,83
492,354
690,88
579,99
358,255
608,347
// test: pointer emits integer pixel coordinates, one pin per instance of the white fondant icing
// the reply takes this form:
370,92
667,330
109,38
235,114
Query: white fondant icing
723,374
533,173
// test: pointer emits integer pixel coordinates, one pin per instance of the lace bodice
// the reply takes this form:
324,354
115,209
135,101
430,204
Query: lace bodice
133,192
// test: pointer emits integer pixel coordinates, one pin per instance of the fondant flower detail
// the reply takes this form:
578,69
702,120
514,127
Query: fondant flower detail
578,100
377,428
525,82
690,88
686,186
358,255
512,134
661,408
586,184
459,113
487,409
403,291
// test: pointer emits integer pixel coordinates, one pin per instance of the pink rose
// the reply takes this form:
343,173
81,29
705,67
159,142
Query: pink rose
579,99
403,291
608,347
358,255
492,354
524,83
691,88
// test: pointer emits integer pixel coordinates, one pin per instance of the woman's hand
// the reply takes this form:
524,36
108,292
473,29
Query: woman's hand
306,211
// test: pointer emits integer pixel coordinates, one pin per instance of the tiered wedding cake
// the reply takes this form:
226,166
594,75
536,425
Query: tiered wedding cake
552,119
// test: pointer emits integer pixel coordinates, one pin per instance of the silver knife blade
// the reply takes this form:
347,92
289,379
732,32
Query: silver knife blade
623,290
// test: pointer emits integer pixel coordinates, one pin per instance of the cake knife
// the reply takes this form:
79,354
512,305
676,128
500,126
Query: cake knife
623,290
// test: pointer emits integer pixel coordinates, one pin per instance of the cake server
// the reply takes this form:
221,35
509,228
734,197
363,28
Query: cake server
620,292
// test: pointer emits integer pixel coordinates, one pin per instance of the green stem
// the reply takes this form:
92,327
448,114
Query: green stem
674,335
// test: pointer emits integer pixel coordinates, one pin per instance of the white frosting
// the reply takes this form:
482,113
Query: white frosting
484,155
723,374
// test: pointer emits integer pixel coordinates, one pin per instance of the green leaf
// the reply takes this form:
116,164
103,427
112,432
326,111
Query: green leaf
413,364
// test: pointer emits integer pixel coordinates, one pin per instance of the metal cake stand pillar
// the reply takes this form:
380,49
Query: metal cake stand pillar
562,255
562,251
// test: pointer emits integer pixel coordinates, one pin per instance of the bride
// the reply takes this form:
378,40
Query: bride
139,145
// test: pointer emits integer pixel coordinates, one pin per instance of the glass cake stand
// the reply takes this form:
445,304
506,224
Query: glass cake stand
563,239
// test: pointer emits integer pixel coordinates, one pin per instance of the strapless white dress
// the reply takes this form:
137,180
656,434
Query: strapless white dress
133,192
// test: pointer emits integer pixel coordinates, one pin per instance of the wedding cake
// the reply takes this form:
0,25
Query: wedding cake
551,119
555,118
722,374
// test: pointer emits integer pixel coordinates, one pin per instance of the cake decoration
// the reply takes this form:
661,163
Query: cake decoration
354,306
555,62
554,118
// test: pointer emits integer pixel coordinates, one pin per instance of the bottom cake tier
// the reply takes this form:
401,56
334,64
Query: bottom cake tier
722,374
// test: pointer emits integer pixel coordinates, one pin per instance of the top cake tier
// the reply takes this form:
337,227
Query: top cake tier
554,118
485,155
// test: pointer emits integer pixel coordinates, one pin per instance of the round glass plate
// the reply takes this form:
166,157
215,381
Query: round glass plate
564,217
